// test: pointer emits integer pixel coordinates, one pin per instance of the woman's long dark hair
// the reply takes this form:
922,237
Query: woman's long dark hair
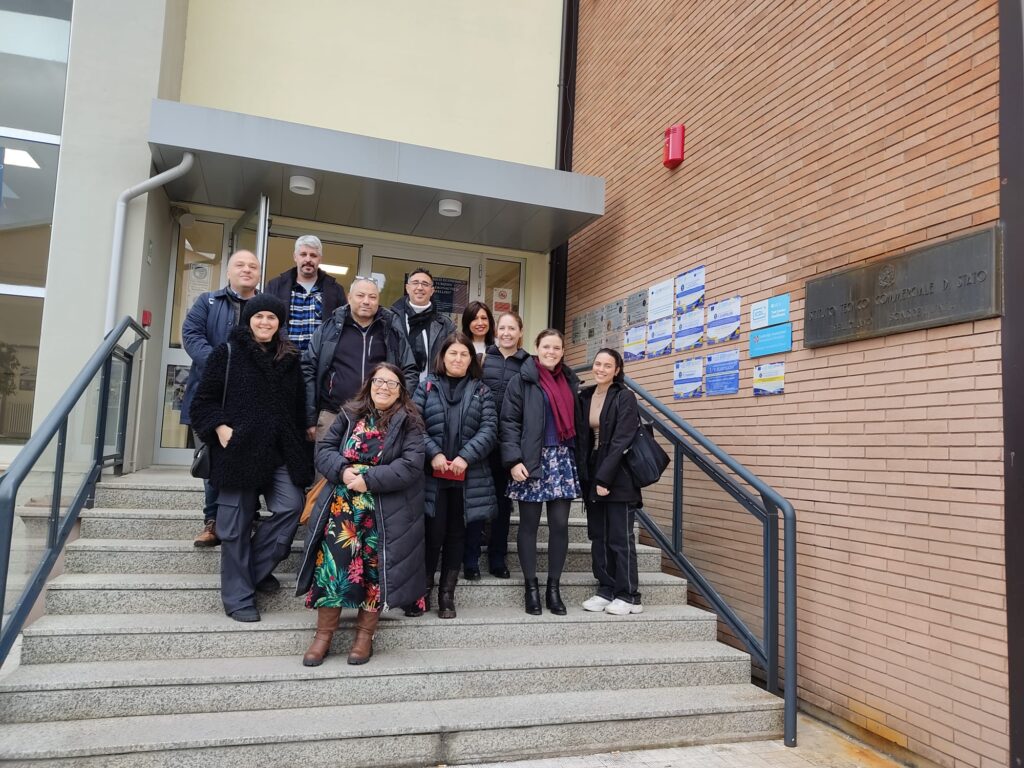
474,371
469,315
362,404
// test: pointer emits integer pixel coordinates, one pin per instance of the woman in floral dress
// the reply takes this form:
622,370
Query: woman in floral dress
364,542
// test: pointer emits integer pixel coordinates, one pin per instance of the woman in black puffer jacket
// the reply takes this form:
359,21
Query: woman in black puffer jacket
462,426
364,541
252,417
502,363
611,495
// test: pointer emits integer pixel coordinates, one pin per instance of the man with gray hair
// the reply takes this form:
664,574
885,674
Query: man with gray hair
345,349
310,294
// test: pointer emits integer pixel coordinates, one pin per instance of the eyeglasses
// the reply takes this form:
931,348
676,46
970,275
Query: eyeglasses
420,284
385,384
368,279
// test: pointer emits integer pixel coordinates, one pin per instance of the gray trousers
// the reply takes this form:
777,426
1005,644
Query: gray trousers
246,558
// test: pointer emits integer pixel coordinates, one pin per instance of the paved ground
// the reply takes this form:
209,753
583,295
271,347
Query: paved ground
819,747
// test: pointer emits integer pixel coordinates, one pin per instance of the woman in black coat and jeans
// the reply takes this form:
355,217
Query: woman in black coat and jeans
250,409
461,425
542,431
364,540
611,495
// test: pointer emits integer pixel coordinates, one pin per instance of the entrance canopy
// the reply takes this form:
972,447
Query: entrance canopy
369,183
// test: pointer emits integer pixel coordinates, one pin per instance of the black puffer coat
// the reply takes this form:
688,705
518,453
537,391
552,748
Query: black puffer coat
500,370
522,422
479,435
264,405
397,486
618,424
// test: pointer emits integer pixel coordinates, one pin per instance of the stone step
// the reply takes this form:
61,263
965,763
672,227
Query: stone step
69,638
195,593
186,524
183,495
178,556
410,733
37,693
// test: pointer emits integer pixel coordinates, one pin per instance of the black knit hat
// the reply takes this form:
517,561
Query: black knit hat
264,302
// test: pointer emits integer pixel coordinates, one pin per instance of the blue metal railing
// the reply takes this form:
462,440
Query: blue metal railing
56,425
687,442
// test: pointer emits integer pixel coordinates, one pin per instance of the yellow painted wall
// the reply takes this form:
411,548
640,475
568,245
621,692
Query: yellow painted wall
463,75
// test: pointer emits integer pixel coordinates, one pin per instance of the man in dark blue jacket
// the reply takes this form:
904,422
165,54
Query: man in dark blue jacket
206,326
344,350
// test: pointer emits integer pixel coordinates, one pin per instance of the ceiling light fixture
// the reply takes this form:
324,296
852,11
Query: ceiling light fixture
20,158
449,207
333,270
302,185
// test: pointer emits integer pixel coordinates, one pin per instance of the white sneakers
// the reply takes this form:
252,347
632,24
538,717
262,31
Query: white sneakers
615,607
595,604
622,608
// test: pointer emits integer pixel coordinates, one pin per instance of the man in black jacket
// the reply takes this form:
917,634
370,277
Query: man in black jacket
344,350
310,294
424,326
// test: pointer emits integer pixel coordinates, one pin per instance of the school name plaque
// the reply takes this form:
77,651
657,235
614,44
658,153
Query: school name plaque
948,283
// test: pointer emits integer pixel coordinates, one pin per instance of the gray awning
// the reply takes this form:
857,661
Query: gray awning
369,183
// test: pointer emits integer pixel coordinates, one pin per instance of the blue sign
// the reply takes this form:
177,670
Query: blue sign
723,373
769,312
770,341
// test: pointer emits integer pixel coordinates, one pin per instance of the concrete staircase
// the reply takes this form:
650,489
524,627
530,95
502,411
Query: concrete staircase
136,665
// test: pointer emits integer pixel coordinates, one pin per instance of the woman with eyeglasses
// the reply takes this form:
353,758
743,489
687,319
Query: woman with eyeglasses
462,430
478,325
250,410
611,495
364,539
542,431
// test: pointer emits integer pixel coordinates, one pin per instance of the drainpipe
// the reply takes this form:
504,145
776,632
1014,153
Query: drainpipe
120,215
559,258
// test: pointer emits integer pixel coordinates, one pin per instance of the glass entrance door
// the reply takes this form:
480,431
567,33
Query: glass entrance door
197,268
455,278
250,233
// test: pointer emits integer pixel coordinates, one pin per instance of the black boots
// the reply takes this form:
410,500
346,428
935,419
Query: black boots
554,598
446,595
533,597
416,609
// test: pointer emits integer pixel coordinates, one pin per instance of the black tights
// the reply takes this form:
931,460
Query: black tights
558,536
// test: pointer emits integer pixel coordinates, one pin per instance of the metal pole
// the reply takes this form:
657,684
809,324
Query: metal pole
58,486
789,523
771,596
677,498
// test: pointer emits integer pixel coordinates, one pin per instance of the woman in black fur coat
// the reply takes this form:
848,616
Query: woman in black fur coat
250,410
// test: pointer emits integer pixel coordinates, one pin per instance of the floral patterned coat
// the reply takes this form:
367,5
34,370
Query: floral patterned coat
397,485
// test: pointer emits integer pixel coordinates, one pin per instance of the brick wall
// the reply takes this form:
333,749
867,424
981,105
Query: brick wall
822,135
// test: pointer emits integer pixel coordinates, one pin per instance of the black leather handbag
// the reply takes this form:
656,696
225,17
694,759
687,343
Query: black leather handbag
201,458
645,459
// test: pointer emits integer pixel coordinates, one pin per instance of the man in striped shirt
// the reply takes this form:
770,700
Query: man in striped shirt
309,293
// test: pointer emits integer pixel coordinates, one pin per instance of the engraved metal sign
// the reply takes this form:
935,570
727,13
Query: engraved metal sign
948,283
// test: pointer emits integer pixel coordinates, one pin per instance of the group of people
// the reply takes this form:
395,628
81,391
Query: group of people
421,433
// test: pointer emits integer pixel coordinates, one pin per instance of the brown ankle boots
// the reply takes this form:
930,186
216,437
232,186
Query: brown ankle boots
326,625
362,645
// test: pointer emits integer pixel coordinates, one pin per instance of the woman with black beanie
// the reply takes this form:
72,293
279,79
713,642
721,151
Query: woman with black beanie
250,409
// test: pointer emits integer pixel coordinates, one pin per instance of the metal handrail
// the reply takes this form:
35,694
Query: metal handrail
56,424
765,507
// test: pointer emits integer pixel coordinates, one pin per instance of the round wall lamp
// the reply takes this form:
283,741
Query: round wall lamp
449,207
183,216
302,185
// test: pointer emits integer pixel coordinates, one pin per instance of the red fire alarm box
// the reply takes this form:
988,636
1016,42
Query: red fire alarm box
147,318
674,136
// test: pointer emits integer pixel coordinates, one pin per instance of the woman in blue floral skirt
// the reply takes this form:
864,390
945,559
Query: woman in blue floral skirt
542,432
